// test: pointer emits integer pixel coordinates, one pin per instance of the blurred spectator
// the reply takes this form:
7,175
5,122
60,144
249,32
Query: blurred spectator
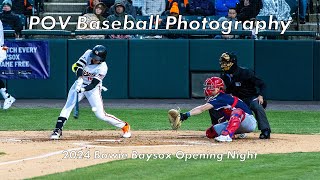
201,8
10,20
302,11
222,6
153,7
129,9
119,15
99,10
174,12
278,8
248,9
92,4
182,5
96,16
232,16
253,31
22,7
138,5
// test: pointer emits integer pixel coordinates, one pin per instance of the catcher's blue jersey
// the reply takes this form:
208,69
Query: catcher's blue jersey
225,101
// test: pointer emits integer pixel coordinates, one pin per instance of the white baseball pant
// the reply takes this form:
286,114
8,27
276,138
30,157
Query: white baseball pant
95,100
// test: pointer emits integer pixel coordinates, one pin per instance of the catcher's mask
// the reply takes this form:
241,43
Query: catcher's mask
227,60
211,83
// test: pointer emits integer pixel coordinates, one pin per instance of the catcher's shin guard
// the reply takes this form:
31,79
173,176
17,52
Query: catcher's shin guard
237,116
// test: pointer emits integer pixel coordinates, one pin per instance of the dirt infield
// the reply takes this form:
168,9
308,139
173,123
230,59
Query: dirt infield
30,153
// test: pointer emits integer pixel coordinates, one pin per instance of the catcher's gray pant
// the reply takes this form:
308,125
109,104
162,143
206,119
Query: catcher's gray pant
96,102
248,125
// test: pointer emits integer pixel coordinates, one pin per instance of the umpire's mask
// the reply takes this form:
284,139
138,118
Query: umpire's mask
227,60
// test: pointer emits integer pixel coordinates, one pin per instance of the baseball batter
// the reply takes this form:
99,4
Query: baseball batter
240,118
90,69
8,99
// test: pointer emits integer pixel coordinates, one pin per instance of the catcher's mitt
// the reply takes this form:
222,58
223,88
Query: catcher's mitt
174,118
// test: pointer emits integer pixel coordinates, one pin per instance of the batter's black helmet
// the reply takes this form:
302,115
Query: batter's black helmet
99,53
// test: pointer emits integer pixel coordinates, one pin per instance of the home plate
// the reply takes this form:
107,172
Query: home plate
107,140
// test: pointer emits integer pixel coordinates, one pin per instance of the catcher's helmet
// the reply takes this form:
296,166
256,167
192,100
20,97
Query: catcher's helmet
211,83
99,53
227,60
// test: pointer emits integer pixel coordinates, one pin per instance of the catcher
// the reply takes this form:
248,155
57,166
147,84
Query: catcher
240,118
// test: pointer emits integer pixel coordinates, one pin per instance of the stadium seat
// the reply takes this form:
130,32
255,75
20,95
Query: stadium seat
211,18
264,18
22,19
142,18
108,3
192,18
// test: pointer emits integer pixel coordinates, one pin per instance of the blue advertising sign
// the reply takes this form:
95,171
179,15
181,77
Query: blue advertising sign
26,60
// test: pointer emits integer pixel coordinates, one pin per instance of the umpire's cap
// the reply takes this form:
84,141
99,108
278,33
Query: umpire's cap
99,53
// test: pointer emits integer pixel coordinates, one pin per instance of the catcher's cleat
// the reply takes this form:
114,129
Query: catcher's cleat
223,138
126,131
240,136
265,134
57,133
8,102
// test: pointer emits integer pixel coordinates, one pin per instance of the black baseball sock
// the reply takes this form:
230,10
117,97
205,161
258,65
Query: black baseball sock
2,85
60,122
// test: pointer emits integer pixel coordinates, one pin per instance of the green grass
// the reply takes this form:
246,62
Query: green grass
295,122
2,153
272,166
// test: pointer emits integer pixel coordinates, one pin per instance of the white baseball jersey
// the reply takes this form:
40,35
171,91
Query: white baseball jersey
1,34
3,53
90,71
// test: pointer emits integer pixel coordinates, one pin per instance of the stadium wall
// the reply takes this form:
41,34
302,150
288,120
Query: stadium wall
163,68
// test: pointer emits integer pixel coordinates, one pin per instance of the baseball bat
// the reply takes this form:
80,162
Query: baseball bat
76,108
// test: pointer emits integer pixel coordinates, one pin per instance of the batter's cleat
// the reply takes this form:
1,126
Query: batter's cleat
8,102
126,131
265,134
57,133
223,138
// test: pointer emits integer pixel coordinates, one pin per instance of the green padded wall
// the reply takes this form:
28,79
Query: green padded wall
159,69
205,54
54,87
316,68
286,67
116,79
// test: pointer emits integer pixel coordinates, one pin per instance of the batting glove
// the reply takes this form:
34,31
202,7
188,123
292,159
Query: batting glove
79,84
81,90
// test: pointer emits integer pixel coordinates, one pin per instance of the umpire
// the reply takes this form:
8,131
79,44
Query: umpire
242,82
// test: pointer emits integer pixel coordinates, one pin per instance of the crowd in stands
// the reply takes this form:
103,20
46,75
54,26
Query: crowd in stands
14,13
111,10
220,10
246,9
11,20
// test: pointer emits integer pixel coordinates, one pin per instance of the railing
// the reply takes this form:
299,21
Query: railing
28,33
